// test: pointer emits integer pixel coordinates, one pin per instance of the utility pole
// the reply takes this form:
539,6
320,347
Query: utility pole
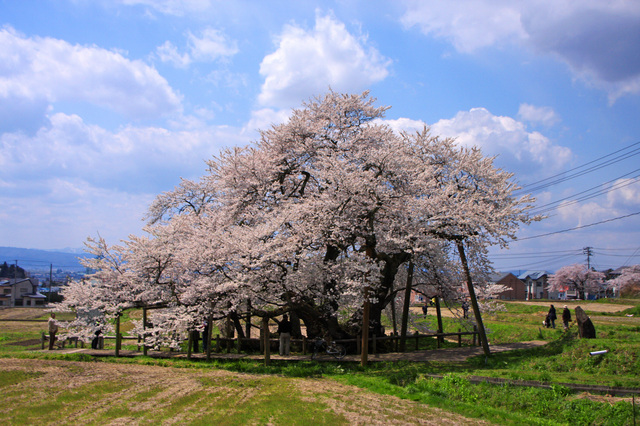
588,251
50,279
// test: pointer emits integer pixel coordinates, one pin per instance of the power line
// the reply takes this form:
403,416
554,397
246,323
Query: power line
580,227
561,177
552,205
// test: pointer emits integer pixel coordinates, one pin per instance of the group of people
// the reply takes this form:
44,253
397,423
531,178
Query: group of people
464,306
550,319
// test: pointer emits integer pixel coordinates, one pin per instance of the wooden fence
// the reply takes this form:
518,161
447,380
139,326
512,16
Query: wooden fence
222,344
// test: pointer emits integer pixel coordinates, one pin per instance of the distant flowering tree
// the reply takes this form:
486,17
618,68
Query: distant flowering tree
576,277
320,211
628,282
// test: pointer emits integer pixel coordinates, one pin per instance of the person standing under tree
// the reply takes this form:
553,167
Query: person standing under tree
566,317
53,329
425,309
284,330
465,309
552,316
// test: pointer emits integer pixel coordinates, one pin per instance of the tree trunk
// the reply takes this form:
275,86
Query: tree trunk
474,301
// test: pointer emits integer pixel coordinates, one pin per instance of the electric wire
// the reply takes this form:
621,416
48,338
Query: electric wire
557,204
579,227
562,177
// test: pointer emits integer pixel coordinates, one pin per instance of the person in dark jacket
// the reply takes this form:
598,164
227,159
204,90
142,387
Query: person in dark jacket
566,317
552,316
284,330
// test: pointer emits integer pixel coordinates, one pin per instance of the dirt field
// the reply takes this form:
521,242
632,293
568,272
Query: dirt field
140,393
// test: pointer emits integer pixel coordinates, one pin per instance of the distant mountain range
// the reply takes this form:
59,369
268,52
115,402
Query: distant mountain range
42,260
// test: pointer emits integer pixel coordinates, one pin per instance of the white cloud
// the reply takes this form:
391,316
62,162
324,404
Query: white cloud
211,46
538,115
46,70
135,159
517,148
265,118
598,40
524,151
168,52
307,63
468,24
626,194
174,7
64,212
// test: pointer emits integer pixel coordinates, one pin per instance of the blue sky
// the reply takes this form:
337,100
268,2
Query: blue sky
105,104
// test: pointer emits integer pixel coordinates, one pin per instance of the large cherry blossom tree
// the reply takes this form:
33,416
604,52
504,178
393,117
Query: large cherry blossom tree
318,212
576,277
628,282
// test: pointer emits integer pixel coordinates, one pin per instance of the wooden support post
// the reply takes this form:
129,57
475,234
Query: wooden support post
208,336
189,343
359,344
459,338
482,335
405,309
118,335
417,337
304,345
439,314
217,343
144,331
42,339
247,324
365,329
267,341
393,315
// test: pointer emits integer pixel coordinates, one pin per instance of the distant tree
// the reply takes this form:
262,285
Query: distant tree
9,271
576,277
628,283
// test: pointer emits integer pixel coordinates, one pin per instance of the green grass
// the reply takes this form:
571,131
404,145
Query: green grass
565,359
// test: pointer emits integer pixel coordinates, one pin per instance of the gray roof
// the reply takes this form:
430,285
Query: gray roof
534,275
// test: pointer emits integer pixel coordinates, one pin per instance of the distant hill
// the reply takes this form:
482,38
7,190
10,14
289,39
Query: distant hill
40,260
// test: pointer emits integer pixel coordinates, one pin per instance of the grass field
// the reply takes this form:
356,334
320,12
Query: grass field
66,389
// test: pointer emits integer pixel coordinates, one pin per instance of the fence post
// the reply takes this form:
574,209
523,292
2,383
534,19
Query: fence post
189,343
217,343
359,345
459,338
373,344
417,336
304,345
475,331
438,337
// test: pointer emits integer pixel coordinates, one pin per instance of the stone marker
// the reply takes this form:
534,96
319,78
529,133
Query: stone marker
585,326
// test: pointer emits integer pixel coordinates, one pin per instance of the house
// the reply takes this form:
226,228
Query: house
20,292
516,287
535,284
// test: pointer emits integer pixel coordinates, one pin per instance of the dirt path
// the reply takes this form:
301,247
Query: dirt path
140,394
